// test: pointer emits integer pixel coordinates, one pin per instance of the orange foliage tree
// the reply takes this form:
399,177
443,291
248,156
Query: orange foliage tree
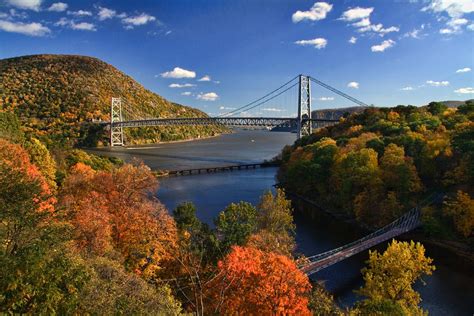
16,158
253,282
117,211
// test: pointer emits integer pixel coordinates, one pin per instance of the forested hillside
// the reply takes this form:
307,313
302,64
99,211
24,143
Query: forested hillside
57,96
376,165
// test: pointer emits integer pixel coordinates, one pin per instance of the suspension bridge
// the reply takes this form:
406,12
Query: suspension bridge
124,115
407,222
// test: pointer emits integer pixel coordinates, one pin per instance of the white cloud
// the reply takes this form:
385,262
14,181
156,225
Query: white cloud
105,13
58,7
437,83
178,73
454,8
317,43
357,13
138,20
83,26
353,40
226,108
26,4
362,23
205,78
184,85
353,85
413,34
457,22
382,46
467,90
31,29
210,96
378,28
467,69
273,110
187,93
80,13
326,99
409,88
446,31
318,11
470,27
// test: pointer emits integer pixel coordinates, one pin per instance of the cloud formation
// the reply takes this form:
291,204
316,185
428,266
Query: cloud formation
80,13
326,99
58,7
437,83
178,73
409,88
382,46
105,13
466,69
357,13
317,12
273,110
360,19
25,4
184,85
353,85
31,29
187,93
81,26
205,78
210,96
316,42
467,90
141,19
353,40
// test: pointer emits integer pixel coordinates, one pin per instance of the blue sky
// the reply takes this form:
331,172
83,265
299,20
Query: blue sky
384,52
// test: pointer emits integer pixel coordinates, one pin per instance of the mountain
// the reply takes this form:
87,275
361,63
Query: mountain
56,97
335,114
454,104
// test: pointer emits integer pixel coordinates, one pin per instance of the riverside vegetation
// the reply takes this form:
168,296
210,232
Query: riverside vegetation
83,234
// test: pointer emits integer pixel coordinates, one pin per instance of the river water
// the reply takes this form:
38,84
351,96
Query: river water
447,291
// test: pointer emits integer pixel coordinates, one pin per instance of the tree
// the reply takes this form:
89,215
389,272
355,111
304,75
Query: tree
437,108
252,282
391,275
461,210
113,291
41,157
235,224
116,210
39,275
185,217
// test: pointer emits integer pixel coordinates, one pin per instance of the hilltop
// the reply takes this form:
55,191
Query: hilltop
57,96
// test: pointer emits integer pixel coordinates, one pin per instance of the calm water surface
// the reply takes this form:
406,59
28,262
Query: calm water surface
447,292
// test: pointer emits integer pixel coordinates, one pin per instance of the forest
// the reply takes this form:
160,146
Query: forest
376,165
81,234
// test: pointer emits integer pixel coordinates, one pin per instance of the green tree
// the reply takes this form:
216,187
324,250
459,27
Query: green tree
41,157
185,216
390,276
235,224
437,108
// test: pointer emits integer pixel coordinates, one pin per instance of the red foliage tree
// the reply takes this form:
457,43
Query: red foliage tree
252,282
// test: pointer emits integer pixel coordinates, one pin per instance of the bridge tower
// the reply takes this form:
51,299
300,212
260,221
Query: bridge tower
116,132
304,106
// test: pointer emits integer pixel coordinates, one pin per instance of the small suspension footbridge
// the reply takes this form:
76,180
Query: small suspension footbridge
296,91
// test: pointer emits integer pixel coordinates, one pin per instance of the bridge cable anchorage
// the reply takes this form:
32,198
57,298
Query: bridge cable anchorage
342,94
405,223
242,108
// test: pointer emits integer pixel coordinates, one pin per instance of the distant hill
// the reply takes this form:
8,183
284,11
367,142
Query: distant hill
454,104
335,114
56,95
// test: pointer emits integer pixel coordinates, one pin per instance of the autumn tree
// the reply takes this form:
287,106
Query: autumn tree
461,211
276,229
116,210
42,159
252,282
390,276
39,275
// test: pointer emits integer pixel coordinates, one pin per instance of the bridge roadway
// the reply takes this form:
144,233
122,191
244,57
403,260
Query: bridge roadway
290,122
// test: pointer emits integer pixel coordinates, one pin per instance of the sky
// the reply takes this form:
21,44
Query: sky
217,55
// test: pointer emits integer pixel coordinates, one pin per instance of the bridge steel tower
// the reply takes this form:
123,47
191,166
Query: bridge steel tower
116,132
304,106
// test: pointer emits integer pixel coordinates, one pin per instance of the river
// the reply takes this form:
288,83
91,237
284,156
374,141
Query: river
447,291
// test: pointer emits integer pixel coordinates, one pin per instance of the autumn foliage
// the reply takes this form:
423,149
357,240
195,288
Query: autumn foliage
116,211
252,282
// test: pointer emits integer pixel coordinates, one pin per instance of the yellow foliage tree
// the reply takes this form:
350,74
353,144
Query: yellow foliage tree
461,210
